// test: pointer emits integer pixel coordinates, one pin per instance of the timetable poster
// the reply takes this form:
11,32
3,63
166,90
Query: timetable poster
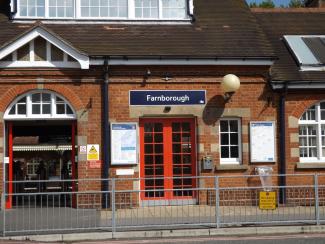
262,141
124,143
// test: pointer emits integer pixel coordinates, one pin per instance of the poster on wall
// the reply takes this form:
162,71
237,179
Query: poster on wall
124,143
262,141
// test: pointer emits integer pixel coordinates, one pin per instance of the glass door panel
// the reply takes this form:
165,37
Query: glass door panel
182,163
153,159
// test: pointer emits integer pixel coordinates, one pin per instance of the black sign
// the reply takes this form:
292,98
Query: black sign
167,97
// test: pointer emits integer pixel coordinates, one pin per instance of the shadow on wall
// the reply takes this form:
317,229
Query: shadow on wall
213,110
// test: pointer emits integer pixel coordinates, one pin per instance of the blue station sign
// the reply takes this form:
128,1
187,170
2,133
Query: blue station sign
167,97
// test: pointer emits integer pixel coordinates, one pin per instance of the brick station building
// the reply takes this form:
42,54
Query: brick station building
297,36
76,74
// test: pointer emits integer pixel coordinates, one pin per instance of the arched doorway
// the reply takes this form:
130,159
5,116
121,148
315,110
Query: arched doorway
40,131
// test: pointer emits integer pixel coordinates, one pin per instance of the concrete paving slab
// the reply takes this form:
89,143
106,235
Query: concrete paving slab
243,231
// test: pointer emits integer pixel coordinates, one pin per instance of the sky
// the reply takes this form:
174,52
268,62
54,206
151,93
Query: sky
277,2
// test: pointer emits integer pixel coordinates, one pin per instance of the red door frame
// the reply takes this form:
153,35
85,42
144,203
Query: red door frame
10,166
73,163
168,161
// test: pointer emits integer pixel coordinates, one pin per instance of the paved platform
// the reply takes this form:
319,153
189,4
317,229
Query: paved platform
19,221
243,231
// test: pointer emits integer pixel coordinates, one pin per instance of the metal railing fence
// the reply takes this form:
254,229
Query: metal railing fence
134,204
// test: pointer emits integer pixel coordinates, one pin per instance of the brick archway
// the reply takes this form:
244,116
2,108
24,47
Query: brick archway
301,106
7,98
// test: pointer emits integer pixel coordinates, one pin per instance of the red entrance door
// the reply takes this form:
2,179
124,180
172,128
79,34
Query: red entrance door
168,158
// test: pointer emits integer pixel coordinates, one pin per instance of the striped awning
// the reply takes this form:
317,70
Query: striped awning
28,148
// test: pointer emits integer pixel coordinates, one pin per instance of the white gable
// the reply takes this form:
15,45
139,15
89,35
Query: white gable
39,48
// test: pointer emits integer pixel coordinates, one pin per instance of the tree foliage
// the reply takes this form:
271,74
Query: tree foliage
264,4
296,3
270,4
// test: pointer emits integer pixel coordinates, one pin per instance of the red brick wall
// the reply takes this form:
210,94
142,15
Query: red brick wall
78,87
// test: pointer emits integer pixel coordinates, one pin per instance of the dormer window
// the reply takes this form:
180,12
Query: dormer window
104,9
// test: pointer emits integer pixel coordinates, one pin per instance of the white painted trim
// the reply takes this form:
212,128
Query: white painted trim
113,62
38,64
191,6
32,51
12,7
47,9
208,61
304,68
131,9
109,21
82,59
160,14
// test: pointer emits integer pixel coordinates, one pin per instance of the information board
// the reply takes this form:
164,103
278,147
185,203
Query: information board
262,141
124,143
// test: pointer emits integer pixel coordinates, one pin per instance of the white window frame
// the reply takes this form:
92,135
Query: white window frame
29,17
130,12
318,123
232,160
158,10
47,10
30,116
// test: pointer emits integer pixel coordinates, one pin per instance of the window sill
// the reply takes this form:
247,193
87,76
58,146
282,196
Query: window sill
310,165
231,167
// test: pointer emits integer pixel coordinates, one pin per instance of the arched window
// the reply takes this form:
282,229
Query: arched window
40,105
312,134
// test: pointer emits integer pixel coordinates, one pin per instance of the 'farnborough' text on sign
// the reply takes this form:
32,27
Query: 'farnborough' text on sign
167,97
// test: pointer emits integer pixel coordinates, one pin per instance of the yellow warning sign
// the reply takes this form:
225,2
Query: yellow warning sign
267,200
92,152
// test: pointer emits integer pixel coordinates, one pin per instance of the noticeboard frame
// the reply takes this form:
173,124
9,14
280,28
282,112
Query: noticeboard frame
136,142
251,141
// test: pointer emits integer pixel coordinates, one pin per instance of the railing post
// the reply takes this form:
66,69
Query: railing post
217,213
316,200
113,207
3,206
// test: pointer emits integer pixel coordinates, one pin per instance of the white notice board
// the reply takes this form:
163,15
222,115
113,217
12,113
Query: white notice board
124,143
262,141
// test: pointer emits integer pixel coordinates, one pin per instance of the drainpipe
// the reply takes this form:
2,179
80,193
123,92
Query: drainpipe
106,135
282,165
